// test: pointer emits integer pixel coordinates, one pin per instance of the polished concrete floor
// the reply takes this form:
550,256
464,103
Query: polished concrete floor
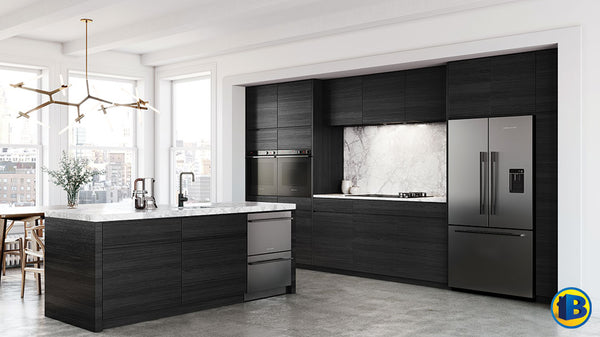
325,305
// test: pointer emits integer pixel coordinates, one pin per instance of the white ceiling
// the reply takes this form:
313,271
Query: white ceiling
177,30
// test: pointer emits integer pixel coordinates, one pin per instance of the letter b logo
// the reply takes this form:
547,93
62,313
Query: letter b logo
571,307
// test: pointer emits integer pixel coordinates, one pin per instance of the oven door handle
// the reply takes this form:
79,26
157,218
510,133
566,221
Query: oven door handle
293,156
261,157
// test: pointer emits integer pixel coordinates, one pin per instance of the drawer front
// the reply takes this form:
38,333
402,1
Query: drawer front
302,204
269,235
149,231
500,262
275,271
332,205
213,226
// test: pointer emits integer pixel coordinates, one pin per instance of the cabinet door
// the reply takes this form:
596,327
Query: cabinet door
344,101
295,103
546,81
139,280
302,237
469,88
422,249
513,84
263,139
213,271
375,244
383,98
425,99
332,240
294,138
261,107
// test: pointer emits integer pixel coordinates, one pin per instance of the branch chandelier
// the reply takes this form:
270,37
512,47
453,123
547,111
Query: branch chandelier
140,104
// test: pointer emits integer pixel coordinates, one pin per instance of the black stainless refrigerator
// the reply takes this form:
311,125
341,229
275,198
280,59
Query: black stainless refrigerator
490,205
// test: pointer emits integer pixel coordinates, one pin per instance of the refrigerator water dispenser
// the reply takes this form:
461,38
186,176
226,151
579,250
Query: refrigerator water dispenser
516,181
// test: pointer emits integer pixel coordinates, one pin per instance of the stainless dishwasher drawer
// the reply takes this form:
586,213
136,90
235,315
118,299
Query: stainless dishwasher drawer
269,272
269,235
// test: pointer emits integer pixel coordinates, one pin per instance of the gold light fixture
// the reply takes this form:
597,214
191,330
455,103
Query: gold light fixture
140,104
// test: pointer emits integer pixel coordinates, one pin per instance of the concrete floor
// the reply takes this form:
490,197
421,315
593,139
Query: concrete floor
325,305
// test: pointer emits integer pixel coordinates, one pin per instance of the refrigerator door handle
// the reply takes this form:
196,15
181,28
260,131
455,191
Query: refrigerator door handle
482,181
494,182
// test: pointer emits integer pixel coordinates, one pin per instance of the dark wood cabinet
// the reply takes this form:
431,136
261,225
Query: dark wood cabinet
262,139
333,234
546,175
423,249
469,88
135,232
406,240
513,85
213,271
261,107
425,97
294,138
344,101
492,86
295,103
383,98
301,229
375,245
546,81
131,273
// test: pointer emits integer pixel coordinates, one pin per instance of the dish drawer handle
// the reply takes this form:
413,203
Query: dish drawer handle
281,259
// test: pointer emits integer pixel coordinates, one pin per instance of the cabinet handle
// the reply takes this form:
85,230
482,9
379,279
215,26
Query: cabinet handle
272,219
281,259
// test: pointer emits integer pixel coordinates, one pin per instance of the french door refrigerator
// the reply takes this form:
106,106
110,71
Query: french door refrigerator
490,205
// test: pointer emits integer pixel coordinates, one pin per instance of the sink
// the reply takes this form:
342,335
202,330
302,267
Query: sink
194,206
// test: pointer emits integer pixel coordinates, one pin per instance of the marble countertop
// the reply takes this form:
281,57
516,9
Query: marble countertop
126,211
362,197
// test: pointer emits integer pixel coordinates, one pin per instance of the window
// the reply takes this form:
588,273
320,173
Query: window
19,138
108,141
191,151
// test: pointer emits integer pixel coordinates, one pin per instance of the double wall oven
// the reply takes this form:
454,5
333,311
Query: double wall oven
279,173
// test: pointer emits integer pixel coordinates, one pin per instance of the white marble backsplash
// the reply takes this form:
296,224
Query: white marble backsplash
388,159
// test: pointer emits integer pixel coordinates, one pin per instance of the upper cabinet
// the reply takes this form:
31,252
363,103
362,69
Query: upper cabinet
344,99
383,98
295,103
261,107
417,95
492,86
425,96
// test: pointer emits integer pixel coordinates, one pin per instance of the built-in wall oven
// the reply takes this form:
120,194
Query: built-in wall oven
279,173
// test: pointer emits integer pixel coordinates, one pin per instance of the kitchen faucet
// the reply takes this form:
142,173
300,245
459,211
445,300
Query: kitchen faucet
180,197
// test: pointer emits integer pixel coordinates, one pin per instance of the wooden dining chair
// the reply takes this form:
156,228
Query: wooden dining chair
34,247
9,249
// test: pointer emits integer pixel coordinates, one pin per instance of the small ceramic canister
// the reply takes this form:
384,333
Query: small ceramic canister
346,184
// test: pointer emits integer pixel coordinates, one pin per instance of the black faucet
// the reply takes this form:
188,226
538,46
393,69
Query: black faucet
180,197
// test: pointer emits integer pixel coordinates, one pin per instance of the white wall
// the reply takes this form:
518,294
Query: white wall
49,57
512,26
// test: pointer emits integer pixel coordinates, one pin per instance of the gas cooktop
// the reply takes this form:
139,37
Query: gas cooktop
399,195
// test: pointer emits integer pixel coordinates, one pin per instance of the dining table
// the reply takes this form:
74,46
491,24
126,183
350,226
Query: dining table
15,214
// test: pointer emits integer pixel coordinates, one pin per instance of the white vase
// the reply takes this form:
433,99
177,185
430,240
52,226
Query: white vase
346,184
354,190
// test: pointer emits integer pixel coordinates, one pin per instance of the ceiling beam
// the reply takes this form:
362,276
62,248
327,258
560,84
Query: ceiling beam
192,19
243,37
44,12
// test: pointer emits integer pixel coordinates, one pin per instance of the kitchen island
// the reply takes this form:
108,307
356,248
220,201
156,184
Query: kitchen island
111,265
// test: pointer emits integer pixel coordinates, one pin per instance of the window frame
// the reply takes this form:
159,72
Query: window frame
174,181
37,115
134,148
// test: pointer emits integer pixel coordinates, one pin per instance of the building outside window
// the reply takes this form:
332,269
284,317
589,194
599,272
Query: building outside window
108,141
191,151
20,147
